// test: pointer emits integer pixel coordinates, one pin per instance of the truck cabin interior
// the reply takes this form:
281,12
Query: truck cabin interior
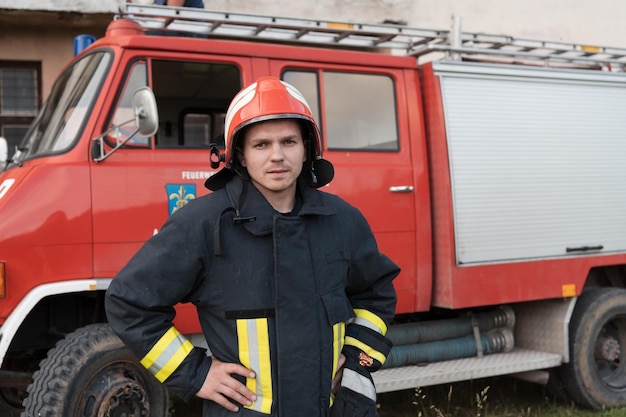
192,98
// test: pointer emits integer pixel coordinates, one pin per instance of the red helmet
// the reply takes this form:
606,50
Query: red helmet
270,98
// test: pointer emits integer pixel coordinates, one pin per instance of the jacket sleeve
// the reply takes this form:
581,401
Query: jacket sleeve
371,294
141,298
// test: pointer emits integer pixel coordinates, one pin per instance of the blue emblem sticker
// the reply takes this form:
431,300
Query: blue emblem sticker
179,195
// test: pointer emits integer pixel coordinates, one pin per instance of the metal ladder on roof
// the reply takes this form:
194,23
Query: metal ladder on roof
396,39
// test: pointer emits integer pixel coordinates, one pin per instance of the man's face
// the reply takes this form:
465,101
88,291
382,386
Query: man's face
273,153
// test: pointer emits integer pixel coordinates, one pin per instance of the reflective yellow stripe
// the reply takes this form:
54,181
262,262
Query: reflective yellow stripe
265,370
339,331
244,354
351,341
368,319
167,354
254,353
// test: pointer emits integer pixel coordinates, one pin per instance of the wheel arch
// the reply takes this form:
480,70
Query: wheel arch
544,324
17,331
606,276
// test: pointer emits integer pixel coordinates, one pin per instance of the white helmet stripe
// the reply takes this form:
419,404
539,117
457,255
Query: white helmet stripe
296,94
244,97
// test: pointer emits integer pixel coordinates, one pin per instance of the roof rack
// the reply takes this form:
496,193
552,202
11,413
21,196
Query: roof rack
399,39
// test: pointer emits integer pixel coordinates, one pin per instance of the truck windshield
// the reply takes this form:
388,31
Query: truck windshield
62,118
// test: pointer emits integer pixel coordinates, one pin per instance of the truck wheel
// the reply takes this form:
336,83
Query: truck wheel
90,373
595,377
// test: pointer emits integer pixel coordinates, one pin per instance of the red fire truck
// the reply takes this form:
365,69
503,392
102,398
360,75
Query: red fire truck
490,168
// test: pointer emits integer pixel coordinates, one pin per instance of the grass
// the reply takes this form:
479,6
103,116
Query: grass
491,397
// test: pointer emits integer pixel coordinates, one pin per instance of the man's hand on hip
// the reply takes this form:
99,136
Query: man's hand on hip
220,386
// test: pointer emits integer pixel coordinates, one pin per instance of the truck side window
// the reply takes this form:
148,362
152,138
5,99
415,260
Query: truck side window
67,109
359,109
192,98
307,83
124,115
201,128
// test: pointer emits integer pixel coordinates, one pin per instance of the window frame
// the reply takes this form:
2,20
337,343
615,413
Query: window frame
138,142
323,108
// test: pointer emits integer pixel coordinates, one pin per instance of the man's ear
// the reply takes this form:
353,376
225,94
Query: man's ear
307,147
240,157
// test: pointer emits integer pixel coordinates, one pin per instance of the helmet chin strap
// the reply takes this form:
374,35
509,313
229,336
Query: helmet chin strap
313,177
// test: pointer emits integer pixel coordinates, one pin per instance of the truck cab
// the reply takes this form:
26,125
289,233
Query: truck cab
86,188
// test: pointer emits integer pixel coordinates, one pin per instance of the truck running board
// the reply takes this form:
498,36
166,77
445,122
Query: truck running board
414,376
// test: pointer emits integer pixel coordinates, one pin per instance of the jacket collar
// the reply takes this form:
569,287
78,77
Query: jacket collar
257,215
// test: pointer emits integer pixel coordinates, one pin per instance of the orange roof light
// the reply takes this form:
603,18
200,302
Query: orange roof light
339,25
590,48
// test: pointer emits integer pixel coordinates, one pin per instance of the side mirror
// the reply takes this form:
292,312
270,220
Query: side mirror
146,114
4,153
146,119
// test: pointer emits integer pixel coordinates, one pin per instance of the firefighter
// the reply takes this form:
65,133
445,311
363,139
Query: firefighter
293,296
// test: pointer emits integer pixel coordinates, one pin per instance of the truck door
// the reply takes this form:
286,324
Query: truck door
364,136
141,184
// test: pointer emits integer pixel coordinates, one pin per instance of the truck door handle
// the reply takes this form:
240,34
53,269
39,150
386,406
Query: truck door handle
584,248
401,188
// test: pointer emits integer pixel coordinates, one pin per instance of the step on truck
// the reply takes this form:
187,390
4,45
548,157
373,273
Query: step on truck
490,168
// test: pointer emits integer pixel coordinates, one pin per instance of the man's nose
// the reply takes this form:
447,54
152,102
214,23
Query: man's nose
277,152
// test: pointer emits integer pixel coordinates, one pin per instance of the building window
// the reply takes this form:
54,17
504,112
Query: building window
20,99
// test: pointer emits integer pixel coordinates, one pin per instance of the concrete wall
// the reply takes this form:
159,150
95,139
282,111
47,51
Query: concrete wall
45,37
81,6
44,29
583,21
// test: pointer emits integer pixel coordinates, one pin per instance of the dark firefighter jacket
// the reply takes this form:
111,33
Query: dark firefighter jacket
273,292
